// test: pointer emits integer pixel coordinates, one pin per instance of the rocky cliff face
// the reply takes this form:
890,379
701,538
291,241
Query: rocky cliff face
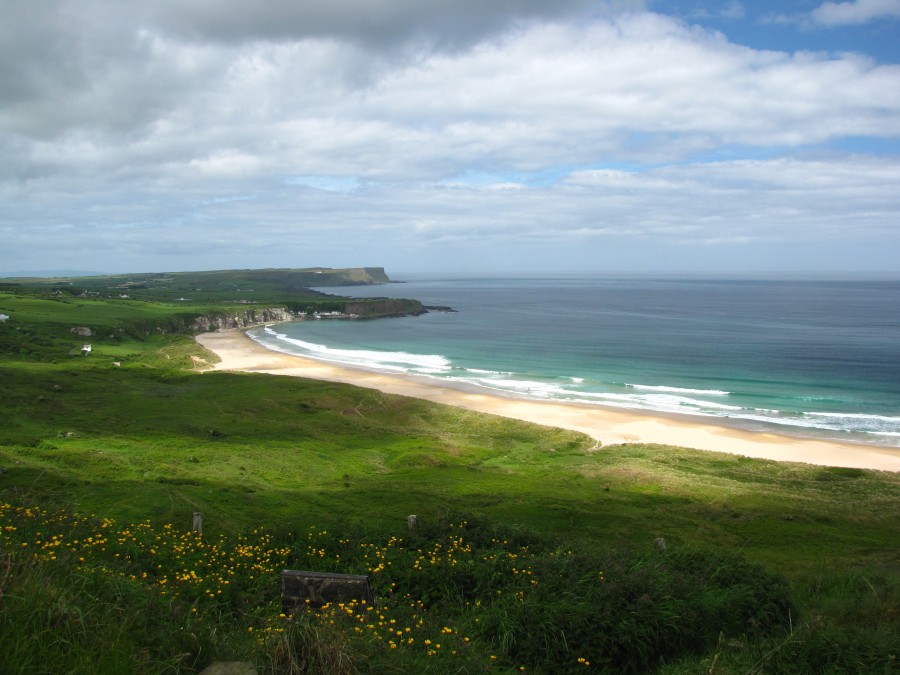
244,319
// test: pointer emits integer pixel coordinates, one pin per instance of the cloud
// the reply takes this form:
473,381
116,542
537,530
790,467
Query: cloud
729,11
777,201
733,11
145,132
854,13
768,200
638,88
385,24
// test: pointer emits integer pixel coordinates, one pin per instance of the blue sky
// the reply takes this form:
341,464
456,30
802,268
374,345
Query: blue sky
866,27
454,136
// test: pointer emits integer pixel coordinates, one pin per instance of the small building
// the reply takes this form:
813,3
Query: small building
85,350
4,317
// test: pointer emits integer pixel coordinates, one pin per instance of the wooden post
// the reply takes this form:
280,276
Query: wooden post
411,522
197,525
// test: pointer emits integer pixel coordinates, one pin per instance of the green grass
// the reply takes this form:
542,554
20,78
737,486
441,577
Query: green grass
152,440
454,595
251,447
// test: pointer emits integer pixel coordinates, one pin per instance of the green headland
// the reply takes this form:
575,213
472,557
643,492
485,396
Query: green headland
534,550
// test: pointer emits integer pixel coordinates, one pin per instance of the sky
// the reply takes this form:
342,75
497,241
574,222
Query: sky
451,136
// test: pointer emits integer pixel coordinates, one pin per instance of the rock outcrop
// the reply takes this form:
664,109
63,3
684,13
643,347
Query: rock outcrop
244,319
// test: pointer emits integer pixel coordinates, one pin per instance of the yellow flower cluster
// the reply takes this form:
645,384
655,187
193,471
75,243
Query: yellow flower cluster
210,573
174,563
403,625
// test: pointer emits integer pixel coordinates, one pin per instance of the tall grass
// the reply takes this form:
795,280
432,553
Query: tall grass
87,593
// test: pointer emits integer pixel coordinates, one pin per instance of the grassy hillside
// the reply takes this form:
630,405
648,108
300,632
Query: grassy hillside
537,551
220,286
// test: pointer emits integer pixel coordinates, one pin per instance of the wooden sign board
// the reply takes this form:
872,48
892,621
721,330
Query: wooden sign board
321,588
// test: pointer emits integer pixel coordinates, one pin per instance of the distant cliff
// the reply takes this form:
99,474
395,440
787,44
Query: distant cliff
351,276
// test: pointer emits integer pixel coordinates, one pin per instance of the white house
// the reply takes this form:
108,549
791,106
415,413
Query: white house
4,317
85,350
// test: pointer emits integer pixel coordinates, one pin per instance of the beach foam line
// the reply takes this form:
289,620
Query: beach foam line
679,390
856,416
532,387
492,373
854,422
662,402
434,363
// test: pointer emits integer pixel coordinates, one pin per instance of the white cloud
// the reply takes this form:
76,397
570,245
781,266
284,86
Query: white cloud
640,88
387,24
855,13
730,11
783,200
143,136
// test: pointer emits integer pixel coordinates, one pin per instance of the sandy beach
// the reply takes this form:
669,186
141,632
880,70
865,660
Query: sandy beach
610,427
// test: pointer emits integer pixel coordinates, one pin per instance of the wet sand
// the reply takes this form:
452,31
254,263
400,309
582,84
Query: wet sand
609,426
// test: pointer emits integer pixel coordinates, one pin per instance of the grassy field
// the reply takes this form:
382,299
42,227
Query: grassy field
536,551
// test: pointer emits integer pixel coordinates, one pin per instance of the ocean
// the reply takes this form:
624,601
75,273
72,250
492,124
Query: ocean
813,358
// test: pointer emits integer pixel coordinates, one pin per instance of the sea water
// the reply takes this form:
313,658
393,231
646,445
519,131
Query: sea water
805,357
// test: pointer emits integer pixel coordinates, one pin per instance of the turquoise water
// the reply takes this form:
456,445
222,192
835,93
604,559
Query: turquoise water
812,358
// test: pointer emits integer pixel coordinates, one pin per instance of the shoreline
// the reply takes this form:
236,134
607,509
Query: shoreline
238,352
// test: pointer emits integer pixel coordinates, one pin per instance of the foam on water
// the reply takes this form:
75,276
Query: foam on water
663,403
857,416
854,422
679,390
366,358
532,388
481,371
